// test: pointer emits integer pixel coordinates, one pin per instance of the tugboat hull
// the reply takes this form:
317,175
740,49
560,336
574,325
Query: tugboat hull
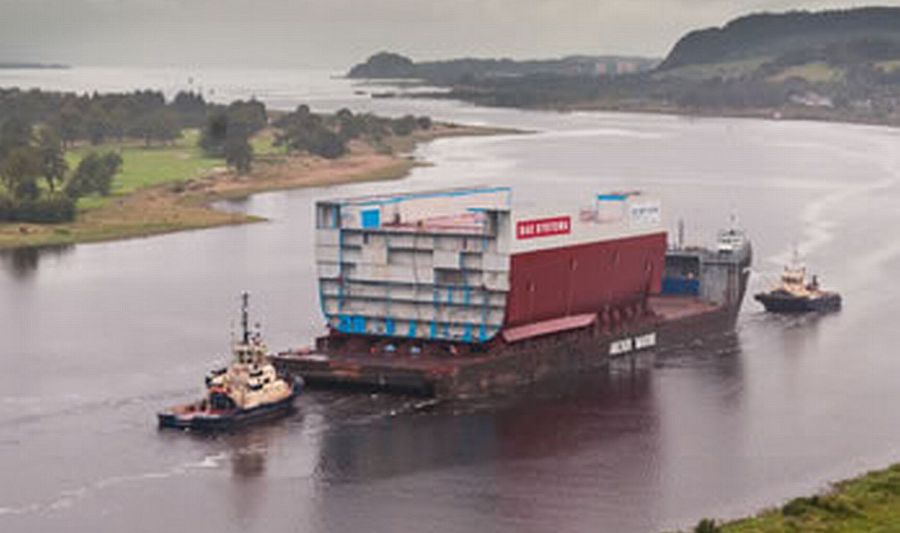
190,417
783,303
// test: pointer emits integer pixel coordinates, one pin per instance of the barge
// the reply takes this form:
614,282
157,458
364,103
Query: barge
458,293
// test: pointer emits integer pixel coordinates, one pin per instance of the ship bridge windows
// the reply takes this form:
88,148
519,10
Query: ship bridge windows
683,266
682,275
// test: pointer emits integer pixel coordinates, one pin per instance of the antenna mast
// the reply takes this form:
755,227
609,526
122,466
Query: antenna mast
245,305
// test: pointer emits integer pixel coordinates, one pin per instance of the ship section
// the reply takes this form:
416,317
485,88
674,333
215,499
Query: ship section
458,293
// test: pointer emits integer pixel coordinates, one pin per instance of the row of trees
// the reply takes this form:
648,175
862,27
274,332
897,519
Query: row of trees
328,135
228,131
36,128
96,118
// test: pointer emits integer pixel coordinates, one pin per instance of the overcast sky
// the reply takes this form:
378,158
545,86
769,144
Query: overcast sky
337,33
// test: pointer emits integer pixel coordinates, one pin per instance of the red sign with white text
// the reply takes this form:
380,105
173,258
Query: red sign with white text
544,227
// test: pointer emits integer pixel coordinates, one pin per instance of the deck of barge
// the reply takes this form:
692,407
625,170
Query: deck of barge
443,374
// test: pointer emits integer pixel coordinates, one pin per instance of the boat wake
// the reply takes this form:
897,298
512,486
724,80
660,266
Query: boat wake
68,498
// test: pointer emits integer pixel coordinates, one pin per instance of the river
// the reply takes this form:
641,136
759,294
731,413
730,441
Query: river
96,338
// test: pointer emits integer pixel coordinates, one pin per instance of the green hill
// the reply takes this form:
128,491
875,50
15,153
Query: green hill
388,65
834,37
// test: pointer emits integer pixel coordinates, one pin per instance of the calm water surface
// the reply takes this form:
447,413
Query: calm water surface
97,338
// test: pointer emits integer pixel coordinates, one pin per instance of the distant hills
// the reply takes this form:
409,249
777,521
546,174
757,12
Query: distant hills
874,32
828,65
27,65
388,65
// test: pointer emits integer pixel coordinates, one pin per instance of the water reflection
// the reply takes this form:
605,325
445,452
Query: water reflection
552,418
23,263
248,455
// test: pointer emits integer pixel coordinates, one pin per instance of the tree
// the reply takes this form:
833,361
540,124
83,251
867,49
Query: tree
70,122
404,126
52,158
424,123
212,140
248,117
190,108
97,125
94,174
239,153
15,132
19,173
158,125
349,127
306,131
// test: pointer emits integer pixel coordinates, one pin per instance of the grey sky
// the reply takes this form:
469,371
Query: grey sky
337,33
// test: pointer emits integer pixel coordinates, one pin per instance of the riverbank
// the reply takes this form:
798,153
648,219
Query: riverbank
866,117
870,502
788,113
179,197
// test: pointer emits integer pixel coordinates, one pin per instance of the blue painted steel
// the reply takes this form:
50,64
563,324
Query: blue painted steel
482,331
412,330
358,324
344,324
683,286
612,197
340,270
467,333
371,219
434,194
432,331
389,326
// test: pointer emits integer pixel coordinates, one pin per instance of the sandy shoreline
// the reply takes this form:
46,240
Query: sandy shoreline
187,205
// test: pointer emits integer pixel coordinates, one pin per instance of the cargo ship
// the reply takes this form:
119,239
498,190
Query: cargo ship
459,293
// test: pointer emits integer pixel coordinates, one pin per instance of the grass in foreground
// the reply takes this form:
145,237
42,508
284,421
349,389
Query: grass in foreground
869,503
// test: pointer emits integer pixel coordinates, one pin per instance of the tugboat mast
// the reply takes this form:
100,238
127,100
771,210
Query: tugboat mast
245,321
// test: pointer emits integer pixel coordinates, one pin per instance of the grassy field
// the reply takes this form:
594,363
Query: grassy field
869,503
144,166
727,70
817,72
889,66
170,188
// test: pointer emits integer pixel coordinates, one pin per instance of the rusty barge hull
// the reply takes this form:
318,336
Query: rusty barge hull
667,323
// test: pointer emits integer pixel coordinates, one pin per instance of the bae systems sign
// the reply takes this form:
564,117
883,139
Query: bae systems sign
544,227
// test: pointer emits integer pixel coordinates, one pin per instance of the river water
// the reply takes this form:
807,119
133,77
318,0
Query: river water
96,338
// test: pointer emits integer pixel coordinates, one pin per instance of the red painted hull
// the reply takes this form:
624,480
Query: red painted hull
673,321
585,278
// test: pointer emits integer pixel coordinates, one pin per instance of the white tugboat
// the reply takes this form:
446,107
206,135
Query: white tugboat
248,390
795,295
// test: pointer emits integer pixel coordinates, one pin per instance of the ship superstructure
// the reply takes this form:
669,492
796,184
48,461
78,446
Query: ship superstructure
463,266
718,275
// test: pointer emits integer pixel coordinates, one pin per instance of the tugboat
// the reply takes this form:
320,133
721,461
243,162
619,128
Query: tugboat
248,390
795,295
